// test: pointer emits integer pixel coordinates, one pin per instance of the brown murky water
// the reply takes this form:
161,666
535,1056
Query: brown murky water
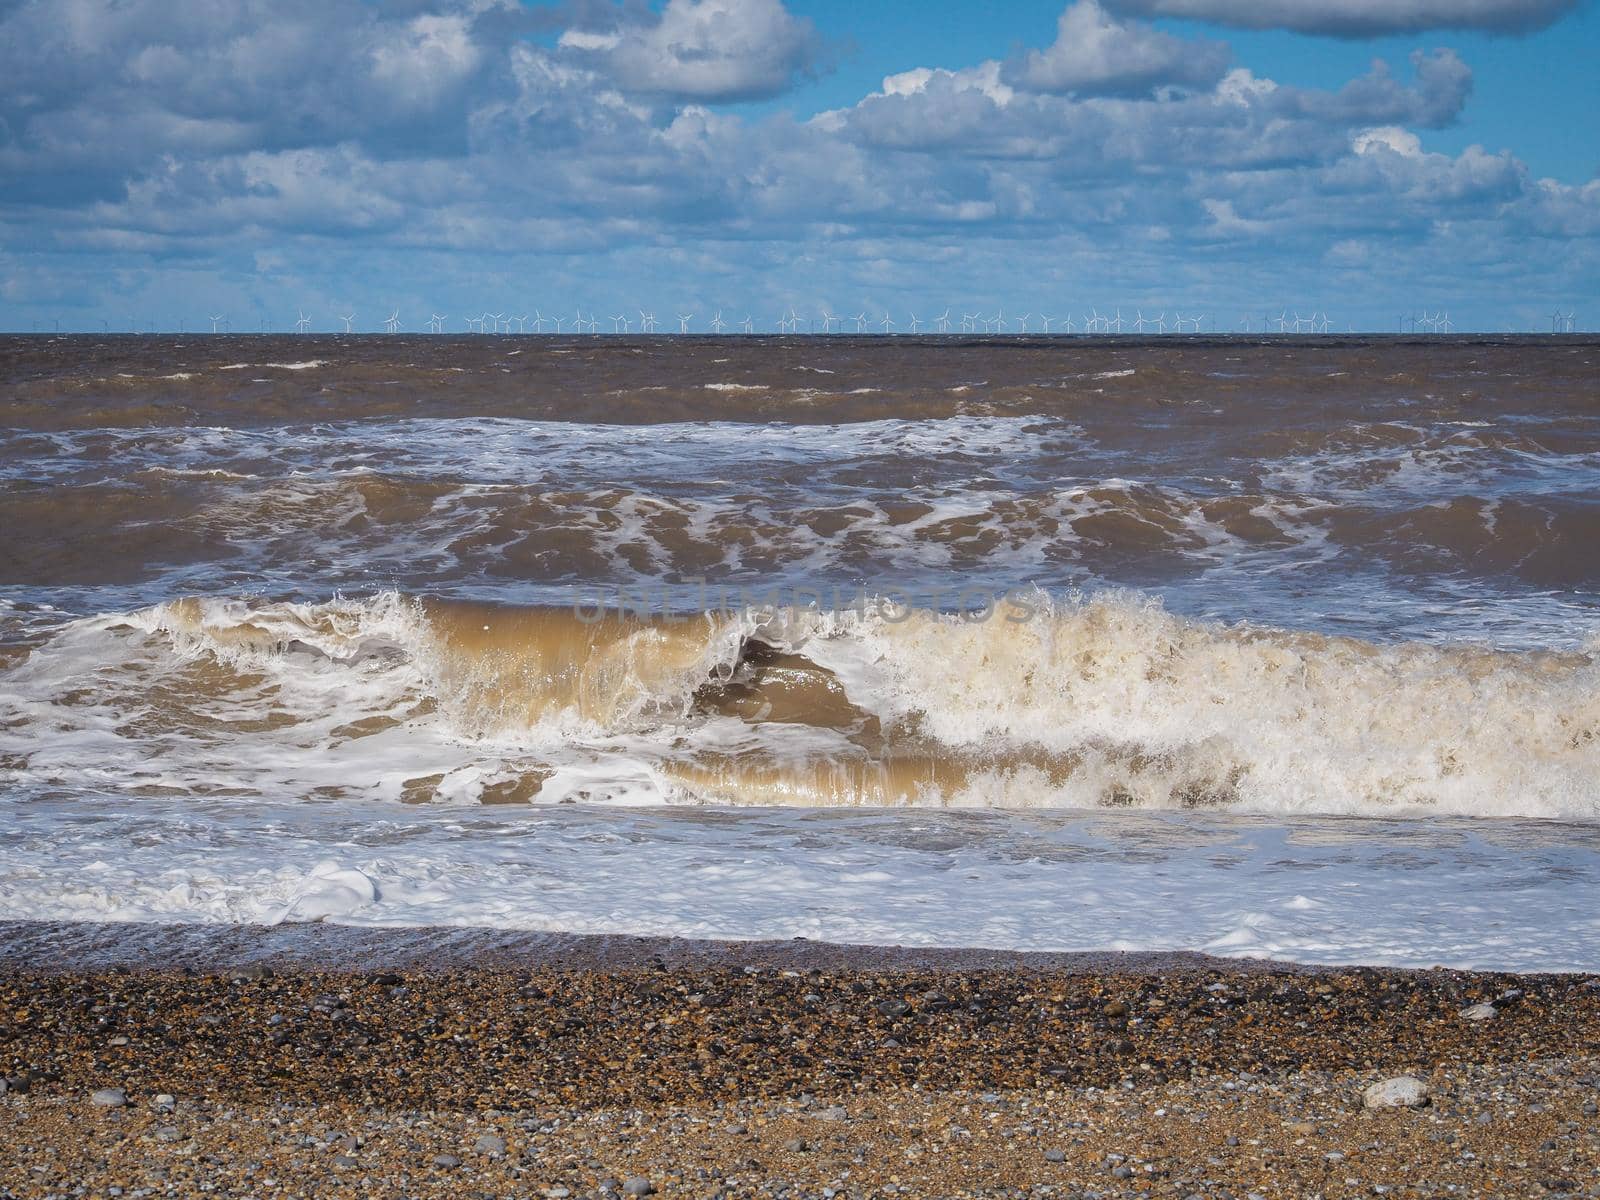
814,570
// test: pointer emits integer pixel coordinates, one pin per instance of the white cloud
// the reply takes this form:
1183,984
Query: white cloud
1096,55
1360,18
1387,137
424,59
353,133
706,50
1443,83
1224,222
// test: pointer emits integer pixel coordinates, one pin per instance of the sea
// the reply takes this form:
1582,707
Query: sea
1275,647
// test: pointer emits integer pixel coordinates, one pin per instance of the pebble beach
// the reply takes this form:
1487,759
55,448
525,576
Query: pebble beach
571,1067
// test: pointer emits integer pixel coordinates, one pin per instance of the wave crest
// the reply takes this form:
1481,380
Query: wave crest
1067,702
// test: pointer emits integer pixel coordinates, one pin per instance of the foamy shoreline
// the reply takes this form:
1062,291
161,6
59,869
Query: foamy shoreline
69,946
65,947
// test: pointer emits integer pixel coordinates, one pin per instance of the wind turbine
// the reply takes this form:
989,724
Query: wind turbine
619,324
747,325
915,325
861,321
828,319
436,322
1067,324
347,318
969,322
303,323
392,324
1115,324
887,323
216,322
1022,322
647,321
522,323
1046,320
944,322
717,323
1091,323
683,322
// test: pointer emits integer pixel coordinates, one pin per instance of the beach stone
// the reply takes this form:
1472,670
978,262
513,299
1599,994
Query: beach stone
1402,1091
637,1185
1055,1156
491,1144
446,1161
109,1098
1479,1012
834,1112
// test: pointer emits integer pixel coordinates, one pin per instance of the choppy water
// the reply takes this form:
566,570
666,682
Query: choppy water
294,628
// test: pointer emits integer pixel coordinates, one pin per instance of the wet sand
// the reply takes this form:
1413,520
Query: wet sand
317,1060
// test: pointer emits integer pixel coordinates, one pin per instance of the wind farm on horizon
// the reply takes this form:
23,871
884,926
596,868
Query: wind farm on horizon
862,323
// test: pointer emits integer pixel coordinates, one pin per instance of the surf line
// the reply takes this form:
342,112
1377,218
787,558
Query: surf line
697,598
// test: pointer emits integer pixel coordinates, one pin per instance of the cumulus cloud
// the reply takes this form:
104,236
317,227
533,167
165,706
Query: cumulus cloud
1096,55
1360,18
345,134
98,87
706,50
1443,83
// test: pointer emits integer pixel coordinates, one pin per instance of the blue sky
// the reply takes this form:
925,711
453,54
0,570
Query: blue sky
163,160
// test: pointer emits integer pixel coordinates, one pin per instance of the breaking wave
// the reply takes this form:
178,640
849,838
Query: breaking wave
1083,701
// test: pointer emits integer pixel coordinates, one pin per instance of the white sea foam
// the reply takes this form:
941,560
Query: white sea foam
1128,705
309,364
1505,896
